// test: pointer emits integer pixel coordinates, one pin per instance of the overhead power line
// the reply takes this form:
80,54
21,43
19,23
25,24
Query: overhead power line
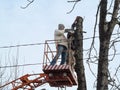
22,65
33,44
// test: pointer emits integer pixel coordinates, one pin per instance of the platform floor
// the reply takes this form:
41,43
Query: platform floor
60,75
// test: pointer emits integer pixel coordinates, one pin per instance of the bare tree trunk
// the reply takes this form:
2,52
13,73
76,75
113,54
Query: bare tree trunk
105,32
103,65
102,79
79,67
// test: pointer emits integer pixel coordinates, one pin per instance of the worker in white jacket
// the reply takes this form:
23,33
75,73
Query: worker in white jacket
61,45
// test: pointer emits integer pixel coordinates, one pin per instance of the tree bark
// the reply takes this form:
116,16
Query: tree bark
102,79
79,67
105,32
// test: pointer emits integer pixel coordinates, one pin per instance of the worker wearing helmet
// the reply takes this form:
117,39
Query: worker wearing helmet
61,45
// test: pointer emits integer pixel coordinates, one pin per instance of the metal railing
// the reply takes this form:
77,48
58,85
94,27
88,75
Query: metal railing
49,51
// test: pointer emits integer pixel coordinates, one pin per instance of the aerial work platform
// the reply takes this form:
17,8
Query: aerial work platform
60,75
55,75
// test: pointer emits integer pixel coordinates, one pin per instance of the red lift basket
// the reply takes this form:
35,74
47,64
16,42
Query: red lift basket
57,75
60,75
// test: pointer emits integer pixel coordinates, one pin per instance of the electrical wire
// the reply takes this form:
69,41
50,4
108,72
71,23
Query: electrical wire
21,65
41,44
33,44
42,63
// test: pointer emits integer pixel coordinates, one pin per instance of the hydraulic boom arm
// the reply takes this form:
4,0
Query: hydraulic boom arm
27,82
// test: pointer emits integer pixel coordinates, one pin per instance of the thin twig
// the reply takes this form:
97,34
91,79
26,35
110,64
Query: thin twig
93,41
76,1
29,2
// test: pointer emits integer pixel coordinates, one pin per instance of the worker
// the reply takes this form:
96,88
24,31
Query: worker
61,45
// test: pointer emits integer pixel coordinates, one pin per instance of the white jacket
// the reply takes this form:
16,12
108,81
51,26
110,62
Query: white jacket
60,38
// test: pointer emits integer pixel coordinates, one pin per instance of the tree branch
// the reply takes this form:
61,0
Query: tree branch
114,19
76,1
29,2
93,41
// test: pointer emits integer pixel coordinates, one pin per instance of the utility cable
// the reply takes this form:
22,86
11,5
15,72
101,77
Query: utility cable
20,65
33,44
42,63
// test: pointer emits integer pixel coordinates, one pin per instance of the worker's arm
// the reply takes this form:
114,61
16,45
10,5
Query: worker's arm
72,31
68,30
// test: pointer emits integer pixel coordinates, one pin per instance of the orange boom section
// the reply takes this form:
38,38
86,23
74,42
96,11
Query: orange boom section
27,82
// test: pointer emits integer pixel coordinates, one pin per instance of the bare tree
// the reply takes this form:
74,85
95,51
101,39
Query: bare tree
79,66
106,28
105,31
6,72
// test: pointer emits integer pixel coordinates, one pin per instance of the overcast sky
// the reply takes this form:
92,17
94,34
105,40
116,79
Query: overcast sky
36,24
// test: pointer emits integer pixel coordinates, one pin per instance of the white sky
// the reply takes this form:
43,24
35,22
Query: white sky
36,24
